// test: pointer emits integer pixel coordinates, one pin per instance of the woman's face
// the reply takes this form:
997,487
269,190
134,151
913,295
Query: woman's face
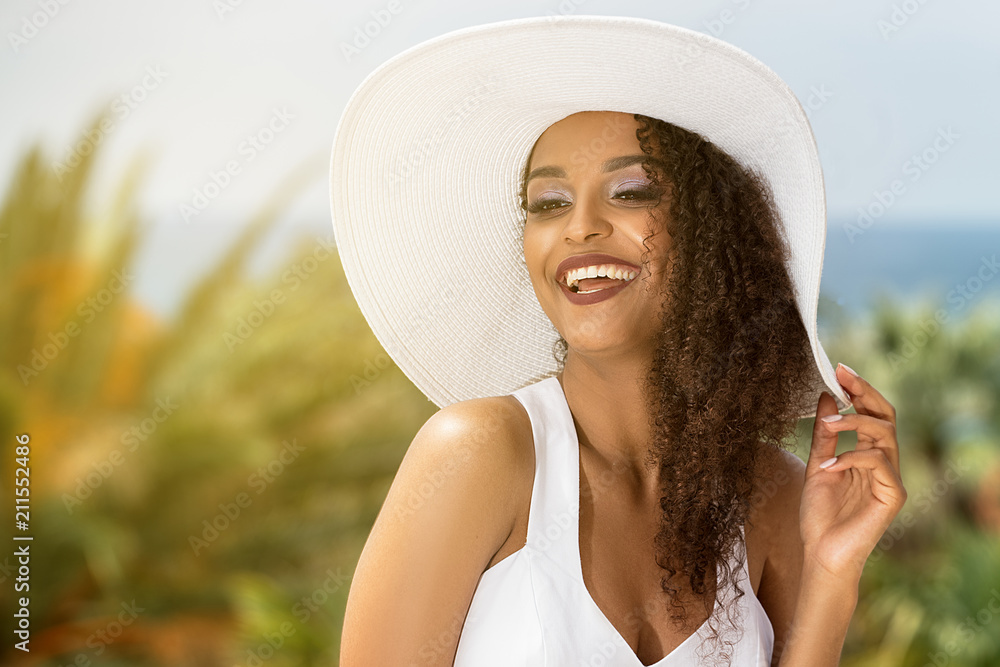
587,194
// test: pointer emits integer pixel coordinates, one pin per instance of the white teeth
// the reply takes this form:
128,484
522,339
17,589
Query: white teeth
574,276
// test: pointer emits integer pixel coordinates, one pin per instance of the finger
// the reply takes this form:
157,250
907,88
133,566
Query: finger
866,399
887,486
824,440
872,432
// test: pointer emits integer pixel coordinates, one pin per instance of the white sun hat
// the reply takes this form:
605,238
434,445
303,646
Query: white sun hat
427,161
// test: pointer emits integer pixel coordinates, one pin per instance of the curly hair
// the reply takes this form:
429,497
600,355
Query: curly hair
730,368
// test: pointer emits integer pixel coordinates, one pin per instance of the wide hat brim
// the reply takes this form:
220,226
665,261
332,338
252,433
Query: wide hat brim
426,168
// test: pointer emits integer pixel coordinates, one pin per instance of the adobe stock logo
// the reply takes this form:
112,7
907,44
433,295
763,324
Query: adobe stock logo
900,16
915,167
58,340
122,107
362,38
218,180
30,26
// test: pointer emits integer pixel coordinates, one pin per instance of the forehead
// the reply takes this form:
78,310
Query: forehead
587,133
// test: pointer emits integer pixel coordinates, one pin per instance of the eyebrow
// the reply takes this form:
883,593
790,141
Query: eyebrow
613,164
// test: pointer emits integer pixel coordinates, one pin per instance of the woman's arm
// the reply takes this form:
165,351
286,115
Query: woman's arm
800,601
451,506
843,510
819,624
795,597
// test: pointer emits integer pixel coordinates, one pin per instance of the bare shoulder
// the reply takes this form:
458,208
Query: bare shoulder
776,539
773,521
778,491
451,505
497,421
491,437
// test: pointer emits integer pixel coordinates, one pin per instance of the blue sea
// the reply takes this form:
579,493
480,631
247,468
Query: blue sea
952,267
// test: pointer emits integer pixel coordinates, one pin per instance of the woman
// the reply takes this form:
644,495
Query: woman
633,506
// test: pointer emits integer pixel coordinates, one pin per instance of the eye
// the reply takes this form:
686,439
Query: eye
638,194
546,204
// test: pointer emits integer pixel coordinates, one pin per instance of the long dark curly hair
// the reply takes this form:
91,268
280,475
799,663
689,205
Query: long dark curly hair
731,365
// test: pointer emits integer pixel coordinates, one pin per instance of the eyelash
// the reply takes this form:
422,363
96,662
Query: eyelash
641,194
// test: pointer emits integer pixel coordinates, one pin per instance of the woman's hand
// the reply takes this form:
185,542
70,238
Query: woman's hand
849,502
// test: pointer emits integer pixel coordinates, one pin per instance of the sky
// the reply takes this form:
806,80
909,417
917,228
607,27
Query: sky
899,91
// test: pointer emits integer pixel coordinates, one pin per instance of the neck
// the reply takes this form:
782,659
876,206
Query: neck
607,398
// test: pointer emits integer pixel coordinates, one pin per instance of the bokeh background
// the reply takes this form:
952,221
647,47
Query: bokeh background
213,427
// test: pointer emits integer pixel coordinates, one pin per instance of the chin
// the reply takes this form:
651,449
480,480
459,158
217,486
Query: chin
581,343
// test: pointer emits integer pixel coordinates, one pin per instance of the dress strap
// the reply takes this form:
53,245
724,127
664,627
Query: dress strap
554,513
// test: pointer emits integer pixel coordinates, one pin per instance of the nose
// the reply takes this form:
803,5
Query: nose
585,221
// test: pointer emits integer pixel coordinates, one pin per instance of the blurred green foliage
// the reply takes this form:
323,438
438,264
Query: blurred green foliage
202,488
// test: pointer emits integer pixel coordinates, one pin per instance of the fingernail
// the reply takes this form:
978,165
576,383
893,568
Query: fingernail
831,418
849,370
828,462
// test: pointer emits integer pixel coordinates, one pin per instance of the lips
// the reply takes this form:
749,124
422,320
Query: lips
592,297
589,259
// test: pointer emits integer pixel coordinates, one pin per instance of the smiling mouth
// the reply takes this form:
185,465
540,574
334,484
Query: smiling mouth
589,279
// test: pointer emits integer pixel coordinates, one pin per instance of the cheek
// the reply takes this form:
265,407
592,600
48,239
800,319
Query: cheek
534,253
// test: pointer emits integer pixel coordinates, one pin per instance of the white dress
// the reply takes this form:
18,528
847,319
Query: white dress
532,608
